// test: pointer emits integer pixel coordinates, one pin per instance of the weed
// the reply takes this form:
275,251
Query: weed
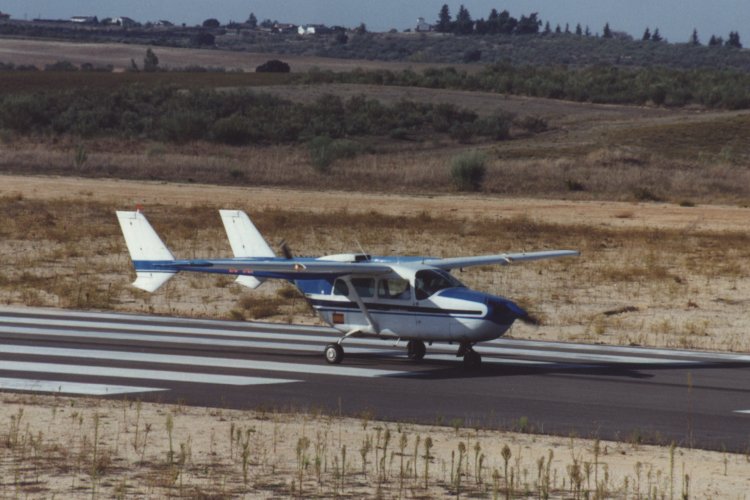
468,170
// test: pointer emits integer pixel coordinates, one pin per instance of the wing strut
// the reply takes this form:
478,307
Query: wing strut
361,305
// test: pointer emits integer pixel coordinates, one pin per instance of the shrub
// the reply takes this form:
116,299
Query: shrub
61,66
324,151
234,130
468,170
273,66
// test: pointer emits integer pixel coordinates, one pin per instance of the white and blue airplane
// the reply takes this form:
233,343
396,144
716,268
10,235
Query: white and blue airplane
415,299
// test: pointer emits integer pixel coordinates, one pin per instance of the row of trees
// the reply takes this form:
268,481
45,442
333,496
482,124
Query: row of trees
504,23
599,84
235,118
496,23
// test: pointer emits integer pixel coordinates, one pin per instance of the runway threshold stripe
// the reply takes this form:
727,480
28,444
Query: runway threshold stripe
136,373
64,387
335,370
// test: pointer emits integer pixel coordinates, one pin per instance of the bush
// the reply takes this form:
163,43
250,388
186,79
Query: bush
234,130
273,66
324,151
468,170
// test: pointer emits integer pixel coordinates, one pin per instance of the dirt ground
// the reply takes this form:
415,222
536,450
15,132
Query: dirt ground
595,213
39,53
93,448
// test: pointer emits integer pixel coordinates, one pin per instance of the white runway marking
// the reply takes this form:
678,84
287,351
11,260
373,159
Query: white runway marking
63,387
176,339
244,364
484,349
742,411
107,371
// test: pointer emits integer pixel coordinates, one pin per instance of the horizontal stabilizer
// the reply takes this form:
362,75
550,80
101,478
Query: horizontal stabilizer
245,240
151,281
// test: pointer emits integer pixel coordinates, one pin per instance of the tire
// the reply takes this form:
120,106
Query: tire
472,360
334,354
415,349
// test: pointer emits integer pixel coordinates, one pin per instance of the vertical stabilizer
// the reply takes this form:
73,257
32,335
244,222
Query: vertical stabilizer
146,251
245,240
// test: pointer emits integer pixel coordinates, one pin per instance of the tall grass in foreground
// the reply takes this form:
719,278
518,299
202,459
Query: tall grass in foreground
80,448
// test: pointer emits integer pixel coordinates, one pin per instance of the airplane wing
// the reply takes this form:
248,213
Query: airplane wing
503,259
277,268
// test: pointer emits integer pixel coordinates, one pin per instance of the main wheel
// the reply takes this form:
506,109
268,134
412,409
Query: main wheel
415,349
334,353
472,360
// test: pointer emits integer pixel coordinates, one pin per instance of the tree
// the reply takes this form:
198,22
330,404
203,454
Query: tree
558,29
252,21
579,30
694,40
464,24
567,28
211,23
655,36
715,41
587,32
646,35
607,32
150,62
547,28
361,29
734,40
528,25
443,24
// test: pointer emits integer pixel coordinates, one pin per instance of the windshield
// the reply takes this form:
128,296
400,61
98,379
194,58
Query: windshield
428,282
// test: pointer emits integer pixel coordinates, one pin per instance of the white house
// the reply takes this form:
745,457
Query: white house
423,25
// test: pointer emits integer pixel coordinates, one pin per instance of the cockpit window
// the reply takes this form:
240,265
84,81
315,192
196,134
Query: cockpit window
428,282
365,286
394,289
341,288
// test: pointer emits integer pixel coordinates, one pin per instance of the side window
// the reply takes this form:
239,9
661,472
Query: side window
341,288
394,289
365,286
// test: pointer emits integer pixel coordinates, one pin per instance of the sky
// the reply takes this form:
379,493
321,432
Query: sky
674,18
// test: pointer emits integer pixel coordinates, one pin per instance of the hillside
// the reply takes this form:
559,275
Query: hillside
541,49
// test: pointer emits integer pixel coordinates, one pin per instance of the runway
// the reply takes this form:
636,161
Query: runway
697,399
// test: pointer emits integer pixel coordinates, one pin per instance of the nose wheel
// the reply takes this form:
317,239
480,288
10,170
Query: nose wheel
415,350
472,359
334,354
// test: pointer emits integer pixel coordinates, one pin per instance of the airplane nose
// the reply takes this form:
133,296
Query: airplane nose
504,311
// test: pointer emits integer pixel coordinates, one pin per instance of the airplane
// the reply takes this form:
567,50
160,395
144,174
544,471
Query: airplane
401,298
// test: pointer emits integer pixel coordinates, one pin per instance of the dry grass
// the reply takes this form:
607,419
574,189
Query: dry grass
86,448
64,254
598,173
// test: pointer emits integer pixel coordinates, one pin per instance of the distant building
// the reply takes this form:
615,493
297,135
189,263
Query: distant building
423,25
284,28
316,29
164,23
4,16
125,22
84,20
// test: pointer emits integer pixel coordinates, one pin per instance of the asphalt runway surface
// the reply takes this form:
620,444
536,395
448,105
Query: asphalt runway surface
693,398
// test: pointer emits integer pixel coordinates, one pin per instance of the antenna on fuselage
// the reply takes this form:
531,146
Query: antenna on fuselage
285,250
367,255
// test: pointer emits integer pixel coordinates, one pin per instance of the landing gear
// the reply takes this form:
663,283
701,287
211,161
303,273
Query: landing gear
334,354
472,359
415,349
